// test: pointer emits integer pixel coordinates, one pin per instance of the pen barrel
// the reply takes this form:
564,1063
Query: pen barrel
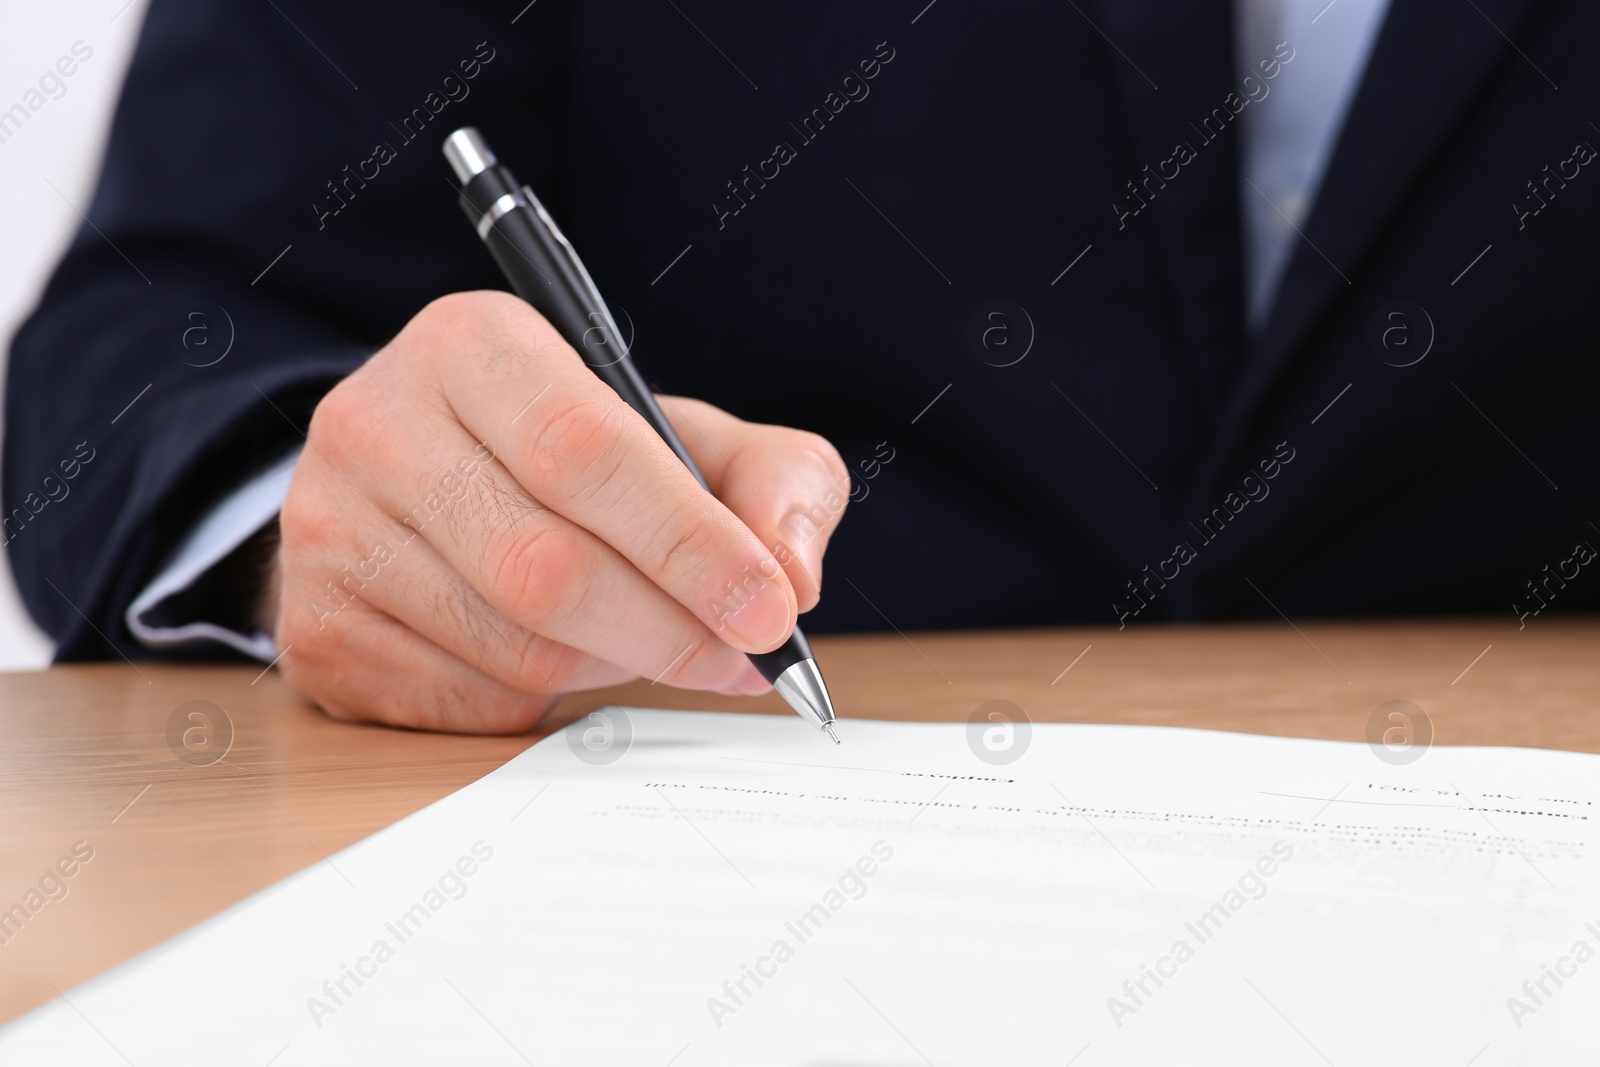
771,664
545,270
548,277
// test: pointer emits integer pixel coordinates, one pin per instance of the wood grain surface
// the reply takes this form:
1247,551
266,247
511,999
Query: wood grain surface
86,762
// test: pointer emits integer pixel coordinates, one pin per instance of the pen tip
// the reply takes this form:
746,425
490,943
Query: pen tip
802,687
829,728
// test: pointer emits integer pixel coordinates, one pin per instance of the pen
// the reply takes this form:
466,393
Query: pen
544,269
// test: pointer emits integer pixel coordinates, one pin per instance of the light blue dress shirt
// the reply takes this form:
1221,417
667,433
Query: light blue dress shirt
1290,133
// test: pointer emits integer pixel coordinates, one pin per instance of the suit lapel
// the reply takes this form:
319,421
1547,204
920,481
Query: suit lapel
1425,68
1172,64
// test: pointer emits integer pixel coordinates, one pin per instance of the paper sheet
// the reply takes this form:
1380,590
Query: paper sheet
734,890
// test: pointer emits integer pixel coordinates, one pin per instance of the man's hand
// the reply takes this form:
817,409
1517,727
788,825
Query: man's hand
479,524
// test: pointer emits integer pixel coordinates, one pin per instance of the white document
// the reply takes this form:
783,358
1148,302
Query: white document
733,889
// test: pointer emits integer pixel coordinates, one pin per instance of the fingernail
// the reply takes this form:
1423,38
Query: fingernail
805,541
755,610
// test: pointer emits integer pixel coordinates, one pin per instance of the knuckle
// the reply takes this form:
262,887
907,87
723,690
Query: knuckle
497,329
685,538
542,575
347,419
575,440
704,666
456,314
304,519
452,309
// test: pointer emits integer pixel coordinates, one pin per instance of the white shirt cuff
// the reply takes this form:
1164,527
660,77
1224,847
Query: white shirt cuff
227,526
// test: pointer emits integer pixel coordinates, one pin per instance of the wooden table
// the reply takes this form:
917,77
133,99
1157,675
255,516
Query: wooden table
84,752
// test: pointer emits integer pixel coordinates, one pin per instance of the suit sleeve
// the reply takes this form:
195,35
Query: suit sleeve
272,208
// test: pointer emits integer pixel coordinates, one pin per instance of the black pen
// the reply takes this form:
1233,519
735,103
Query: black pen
544,269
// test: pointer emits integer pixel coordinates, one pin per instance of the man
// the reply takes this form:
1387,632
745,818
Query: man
1111,312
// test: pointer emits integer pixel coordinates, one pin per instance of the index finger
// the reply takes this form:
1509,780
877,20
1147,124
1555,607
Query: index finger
579,450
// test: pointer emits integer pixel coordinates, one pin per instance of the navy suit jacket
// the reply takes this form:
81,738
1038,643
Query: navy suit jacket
992,251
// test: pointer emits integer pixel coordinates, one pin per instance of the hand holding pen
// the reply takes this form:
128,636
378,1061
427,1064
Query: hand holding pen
545,270
478,524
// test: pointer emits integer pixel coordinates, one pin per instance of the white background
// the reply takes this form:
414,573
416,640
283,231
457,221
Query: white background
60,145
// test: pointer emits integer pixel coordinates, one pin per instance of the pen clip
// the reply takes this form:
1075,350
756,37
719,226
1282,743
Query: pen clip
608,324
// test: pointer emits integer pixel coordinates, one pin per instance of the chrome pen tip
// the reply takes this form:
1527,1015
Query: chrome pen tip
801,685
827,728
